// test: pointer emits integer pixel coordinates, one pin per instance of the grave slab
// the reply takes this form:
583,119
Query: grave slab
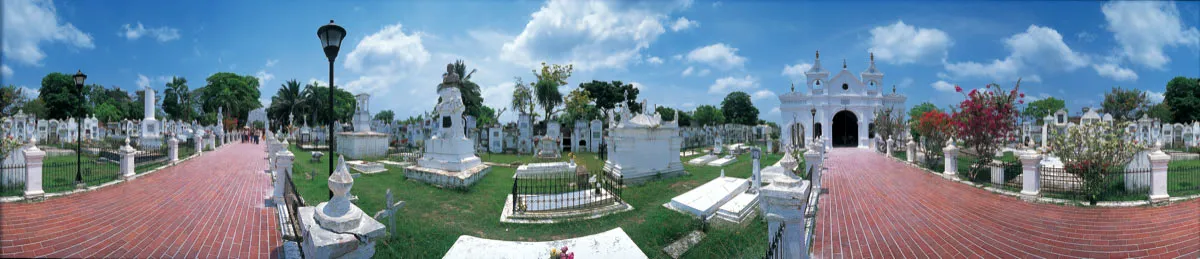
609,244
706,199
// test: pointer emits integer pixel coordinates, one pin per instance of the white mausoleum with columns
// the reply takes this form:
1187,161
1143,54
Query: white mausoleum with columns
844,106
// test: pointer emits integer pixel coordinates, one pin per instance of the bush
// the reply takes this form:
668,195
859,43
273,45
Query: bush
1091,149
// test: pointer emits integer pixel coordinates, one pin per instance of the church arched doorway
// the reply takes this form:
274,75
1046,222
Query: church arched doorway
845,129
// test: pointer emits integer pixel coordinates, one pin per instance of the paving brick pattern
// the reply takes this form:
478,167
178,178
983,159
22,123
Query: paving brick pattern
879,208
212,206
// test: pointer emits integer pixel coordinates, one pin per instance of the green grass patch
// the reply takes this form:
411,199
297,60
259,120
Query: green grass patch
434,218
1183,177
59,172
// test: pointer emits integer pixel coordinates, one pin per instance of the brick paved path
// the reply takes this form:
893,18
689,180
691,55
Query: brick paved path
211,206
879,208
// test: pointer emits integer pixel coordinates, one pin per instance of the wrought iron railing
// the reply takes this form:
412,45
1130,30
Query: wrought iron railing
1183,180
293,201
12,177
1112,184
565,191
775,250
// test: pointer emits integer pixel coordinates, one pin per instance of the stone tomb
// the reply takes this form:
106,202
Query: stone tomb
609,244
724,161
362,143
544,208
704,201
643,147
703,160
366,167
449,159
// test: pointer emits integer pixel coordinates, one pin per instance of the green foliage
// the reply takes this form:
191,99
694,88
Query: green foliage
608,94
388,115
487,117
258,125
11,99
546,88
522,99
706,115
286,102
1124,104
35,107
316,103
1090,149
1160,111
737,108
667,113
1183,96
916,113
1037,110
107,112
177,100
472,98
888,123
985,121
236,94
62,98
579,107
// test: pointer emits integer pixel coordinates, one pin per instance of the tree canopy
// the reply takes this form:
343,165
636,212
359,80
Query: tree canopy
1183,96
737,108
11,99
579,107
608,94
177,100
385,116
915,114
1124,104
62,99
1037,110
316,103
472,98
236,94
286,103
706,115
546,88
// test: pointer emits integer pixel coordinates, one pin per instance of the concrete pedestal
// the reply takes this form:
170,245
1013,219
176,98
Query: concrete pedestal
362,145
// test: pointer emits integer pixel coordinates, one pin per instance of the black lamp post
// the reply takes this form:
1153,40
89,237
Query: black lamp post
79,78
331,36
814,123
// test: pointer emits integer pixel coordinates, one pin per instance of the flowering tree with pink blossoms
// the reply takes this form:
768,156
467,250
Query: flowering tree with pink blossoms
985,120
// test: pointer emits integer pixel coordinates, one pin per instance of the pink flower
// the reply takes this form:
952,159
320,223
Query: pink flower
1022,95
957,89
1021,101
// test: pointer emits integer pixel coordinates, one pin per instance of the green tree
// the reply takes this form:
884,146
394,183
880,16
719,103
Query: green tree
36,107
579,107
472,98
916,113
737,108
237,95
286,102
385,116
316,103
11,99
107,112
522,99
1160,111
1183,96
1038,110
706,115
666,113
685,118
1124,104
61,97
546,87
176,101
608,94
487,117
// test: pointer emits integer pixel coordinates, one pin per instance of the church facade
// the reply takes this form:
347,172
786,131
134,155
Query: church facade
839,107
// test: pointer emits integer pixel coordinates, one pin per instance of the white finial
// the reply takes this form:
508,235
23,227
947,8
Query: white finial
722,172
127,141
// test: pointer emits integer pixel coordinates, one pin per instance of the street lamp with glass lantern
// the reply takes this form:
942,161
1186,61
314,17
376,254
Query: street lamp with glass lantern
814,123
79,78
331,36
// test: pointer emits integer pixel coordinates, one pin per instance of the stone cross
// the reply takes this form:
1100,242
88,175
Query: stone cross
389,212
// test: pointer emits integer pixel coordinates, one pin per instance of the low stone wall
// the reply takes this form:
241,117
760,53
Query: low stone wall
444,179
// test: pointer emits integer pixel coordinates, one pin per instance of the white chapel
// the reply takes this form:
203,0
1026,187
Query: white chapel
838,109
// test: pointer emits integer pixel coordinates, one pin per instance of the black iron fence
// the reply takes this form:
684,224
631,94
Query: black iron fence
293,201
1183,180
565,191
1112,184
12,176
96,163
187,148
775,250
150,158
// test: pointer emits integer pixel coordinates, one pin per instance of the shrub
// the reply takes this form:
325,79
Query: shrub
1090,149
985,120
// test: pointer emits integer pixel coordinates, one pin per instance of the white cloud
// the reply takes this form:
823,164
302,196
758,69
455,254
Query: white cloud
900,43
654,60
263,77
1044,47
1037,46
774,111
5,71
384,58
271,62
1156,97
1143,28
762,94
677,57
943,86
717,55
905,83
688,71
796,72
1085,36
723,85
1115,72
703,72
638,85
589,35
27,24
683,24
162,34
29,92
143,81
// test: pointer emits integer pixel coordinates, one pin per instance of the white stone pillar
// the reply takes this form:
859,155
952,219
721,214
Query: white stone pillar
127,152
1045,132
887,147
173,149
812,163
33,170
997,168
1030,173
950,152
199,145
911,151
784,203
757,173
283,170
1158,174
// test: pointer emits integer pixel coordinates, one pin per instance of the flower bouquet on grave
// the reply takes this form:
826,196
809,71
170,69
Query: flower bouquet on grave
561,253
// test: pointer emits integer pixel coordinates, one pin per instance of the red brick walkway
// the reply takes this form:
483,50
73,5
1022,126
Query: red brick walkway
879,208
211,206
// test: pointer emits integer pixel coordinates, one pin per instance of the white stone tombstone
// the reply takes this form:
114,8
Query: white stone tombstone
597,132
525,134
496,139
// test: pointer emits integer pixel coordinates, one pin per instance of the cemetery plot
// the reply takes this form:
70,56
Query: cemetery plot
549,197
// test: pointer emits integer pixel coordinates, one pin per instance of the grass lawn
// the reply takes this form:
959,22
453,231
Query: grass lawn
58,172
1183,177
433,218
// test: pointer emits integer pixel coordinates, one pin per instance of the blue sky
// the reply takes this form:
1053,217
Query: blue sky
679,53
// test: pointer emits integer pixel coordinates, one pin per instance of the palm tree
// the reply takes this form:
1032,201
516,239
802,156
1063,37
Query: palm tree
179,97
472,98
287,101
548,96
